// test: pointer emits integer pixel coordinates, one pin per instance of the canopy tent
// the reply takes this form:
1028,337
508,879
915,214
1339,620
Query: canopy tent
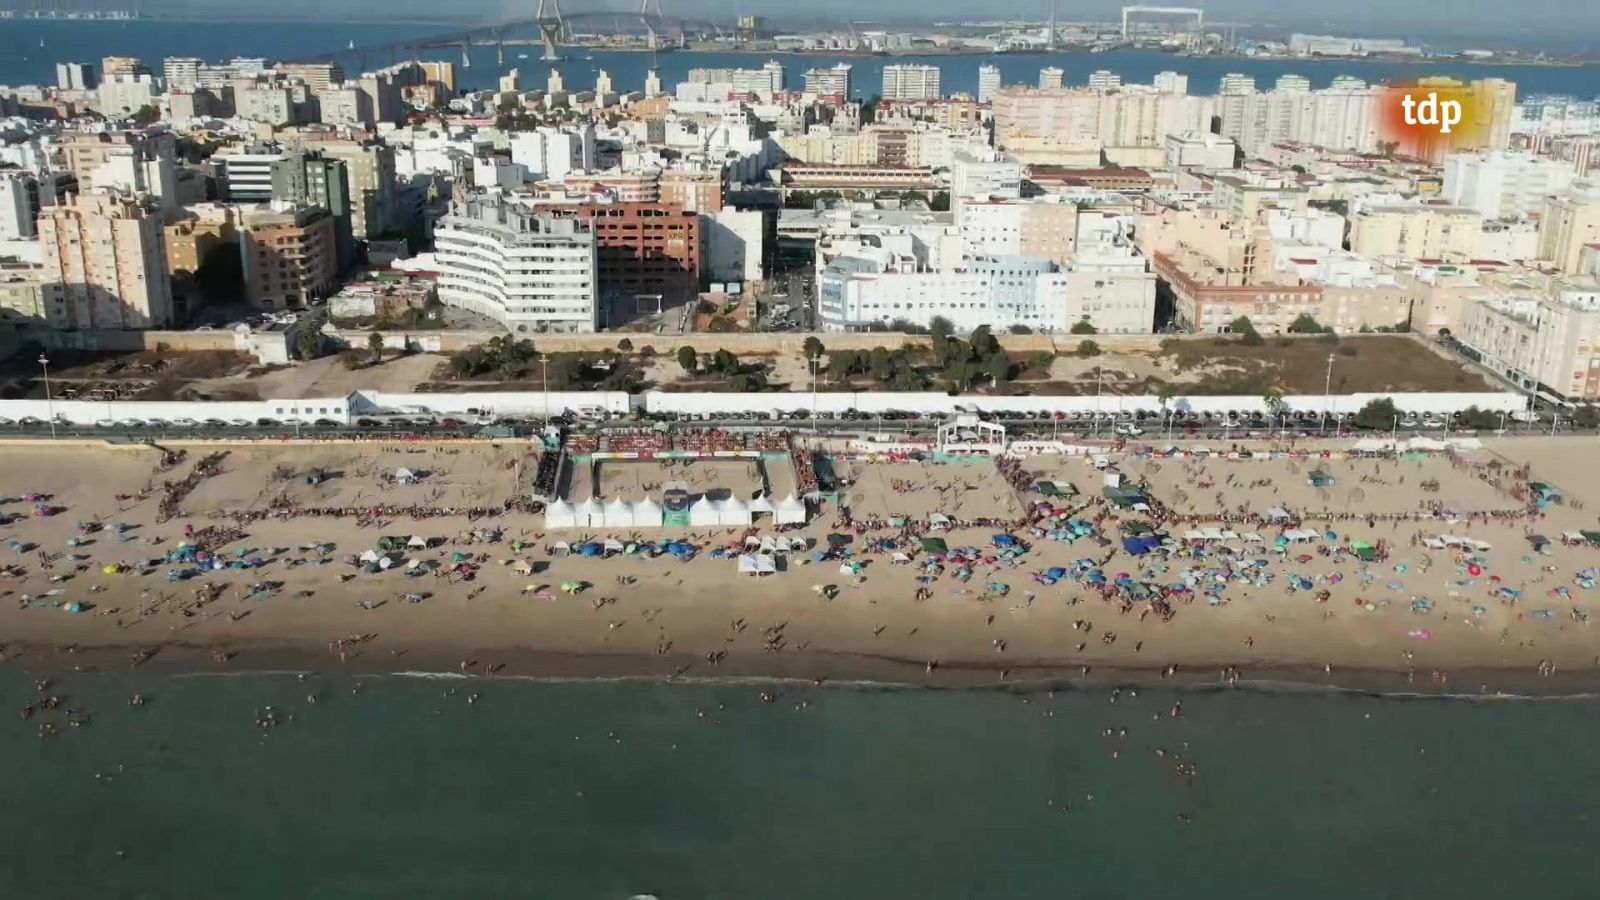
703,512
757,564
935,545
417,542
560,514
762,506
938,520
587,514
733,511
768,544
404,475
618,514
647,514
790,511
1278,514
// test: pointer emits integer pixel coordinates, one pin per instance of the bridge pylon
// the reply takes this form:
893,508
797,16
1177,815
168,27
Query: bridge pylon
551,29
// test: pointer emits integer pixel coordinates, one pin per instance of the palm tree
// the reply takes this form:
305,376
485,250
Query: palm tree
375,344
1272,398
1165,394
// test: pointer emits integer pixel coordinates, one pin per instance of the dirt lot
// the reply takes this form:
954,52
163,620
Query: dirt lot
147,375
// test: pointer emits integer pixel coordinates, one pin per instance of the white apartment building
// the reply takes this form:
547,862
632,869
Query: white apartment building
1051,78
986,175
532,272
121,95
1504,184
829,82
1171,83
1104,80
988,82
1546,342
911,82
1112,288
1201,150
246,176
879,286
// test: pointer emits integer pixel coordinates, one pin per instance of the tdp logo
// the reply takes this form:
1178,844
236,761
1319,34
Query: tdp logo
1430,110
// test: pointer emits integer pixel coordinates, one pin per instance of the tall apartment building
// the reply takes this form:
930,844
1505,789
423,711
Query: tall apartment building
911,82
988,82
104,264
1171,83
529,270
375,202
245,176
1568,223
879,286
692,190
644,248
306,177
19,205
289,255
830,82
1104,80
76,76
1504,184
181,72
1051,78
189,242
318,76
1548,341
123,65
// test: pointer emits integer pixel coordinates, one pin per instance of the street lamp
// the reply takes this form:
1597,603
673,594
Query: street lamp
49,404
1099,391
1327,398
812,364
544,375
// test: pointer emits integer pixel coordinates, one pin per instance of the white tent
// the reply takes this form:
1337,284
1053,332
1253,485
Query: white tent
762,506
618,514
938,520
647,514
733,511
757,564
560,514
369,556
587,513
790,511
417,540
769,545
561,548
703,512
404,475
612,545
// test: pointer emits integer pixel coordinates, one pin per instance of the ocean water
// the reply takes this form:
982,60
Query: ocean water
24,61
699,790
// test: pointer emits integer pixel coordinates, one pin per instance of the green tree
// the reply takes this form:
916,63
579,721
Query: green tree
1305,324
1586,417
687,358
813,347
881,363
144,115
844,362
1377,415
1084,326
908,379
625,346
1272,399
997,366
725,362
1246,330
1020,328
940,327
940,201
375,344
1040,361
984,343
309,343
1087,349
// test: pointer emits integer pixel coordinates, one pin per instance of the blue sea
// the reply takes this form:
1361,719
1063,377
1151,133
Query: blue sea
24,61
397,786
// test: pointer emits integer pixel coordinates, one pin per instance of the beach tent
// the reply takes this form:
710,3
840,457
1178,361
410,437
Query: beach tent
1364,551
561,548
733,511
762,506
404,475
612,545
560,514
417,542
703,512
790,511
938,520
588,513
647,514
618,514
1278,514
757,564
769,545
370,556
935,545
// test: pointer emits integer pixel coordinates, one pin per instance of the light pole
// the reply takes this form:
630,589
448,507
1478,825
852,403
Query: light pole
812,363
1099,392
49,404
1327,398
544,376
1394,432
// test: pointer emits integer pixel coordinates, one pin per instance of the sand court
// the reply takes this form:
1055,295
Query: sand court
634,480
881,490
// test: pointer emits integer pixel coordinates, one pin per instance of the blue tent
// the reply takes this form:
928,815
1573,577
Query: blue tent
680,549
1004,540
1056,572
592,549
1139,546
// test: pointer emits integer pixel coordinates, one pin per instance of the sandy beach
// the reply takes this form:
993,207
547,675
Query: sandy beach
1424,615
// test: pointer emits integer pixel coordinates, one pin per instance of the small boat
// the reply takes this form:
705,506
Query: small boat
351,45
589,57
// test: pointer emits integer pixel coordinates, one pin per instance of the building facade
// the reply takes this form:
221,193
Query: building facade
104,263
527,269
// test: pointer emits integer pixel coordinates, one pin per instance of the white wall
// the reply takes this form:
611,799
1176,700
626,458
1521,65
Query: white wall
91,412
500,403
